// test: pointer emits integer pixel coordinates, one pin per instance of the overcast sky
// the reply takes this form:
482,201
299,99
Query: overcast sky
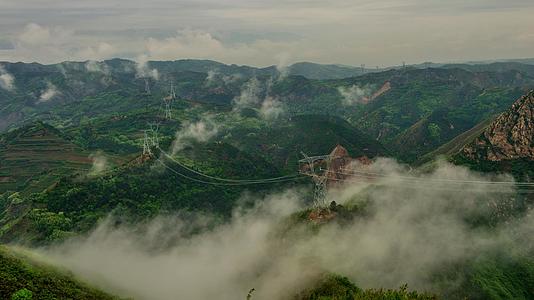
266,32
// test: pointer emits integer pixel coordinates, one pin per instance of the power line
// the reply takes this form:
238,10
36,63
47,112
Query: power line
383,175
213,180
226,179
221,183
433,188
295,177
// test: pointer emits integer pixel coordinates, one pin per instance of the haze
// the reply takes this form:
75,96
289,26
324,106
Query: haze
260,33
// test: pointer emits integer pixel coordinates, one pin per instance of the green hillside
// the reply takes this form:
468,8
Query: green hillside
451,148
34,157
283,143
444,124
138,191
335,287
414,115
501,143
24,278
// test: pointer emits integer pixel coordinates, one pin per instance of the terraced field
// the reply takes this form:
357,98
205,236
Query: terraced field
34,157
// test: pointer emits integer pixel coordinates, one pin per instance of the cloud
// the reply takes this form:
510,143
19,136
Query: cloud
50,92
283,65
259,32
54,44
187,43
97,67
251,94
257,94
215,78
100,163
412,229
7,81
201,44
199,131
355,94
211,78
271,108
101,51
143,70
35,34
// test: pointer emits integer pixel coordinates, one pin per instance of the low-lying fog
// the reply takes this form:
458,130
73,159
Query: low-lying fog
414,227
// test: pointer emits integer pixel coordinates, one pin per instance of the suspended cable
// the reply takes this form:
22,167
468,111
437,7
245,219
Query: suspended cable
437,188
353,173
226,179
223,183
360,174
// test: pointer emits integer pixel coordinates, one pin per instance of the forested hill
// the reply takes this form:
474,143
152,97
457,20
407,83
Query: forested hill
411,111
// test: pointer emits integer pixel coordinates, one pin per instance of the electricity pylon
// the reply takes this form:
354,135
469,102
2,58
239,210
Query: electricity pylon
154,138
168,101
150,138
312,166
147,87
146,144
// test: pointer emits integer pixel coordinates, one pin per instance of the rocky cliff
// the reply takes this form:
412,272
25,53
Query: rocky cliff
509,137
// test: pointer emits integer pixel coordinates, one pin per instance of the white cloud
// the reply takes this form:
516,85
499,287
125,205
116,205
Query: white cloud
200,131
97,67
50,92
248,32
6,80
56,44
257,94
200,44
100,163
35,34
143,71
271,108
250,96
187,43
411,231
355,94
100,51
214,78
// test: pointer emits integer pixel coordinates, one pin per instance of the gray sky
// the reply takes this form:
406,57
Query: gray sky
260,33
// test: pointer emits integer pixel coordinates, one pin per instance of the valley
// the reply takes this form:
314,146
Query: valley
430,198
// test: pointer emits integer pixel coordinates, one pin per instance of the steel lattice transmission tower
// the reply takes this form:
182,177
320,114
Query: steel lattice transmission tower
146,144
317,168
147,86
168,102
154,138
150,138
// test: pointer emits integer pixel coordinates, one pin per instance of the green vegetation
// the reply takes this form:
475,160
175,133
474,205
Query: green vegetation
35,156
448,118
493,275
335,287
47,194
136,192
313,134
23,277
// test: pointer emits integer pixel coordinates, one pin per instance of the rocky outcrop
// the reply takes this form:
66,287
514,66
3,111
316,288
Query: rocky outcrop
341,165
509,137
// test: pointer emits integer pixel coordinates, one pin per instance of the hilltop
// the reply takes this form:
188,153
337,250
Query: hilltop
506,144
501,143
510,136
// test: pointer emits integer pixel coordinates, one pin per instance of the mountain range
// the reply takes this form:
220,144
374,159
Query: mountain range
74,139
